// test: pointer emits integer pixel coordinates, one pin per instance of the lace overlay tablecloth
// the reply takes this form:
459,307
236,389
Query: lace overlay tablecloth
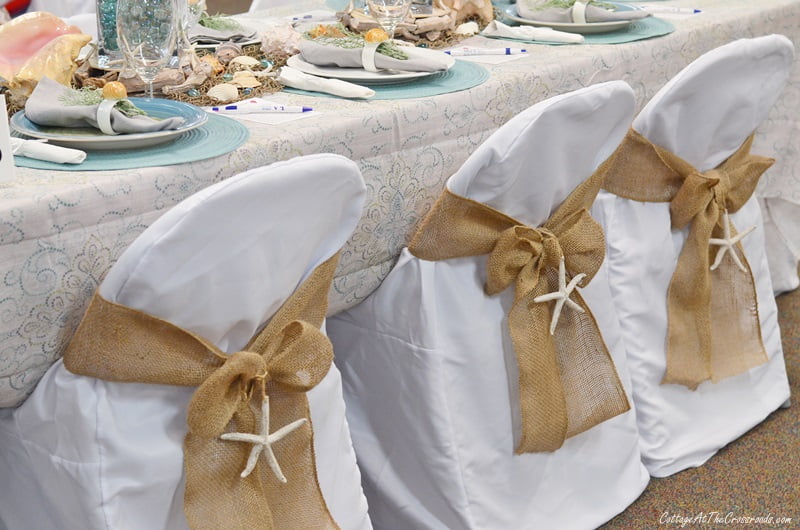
61,231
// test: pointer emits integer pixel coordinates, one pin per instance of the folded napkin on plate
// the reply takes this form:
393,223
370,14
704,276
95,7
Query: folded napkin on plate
498,29
46,106
202,35
543,11
332,55
43,151
294,78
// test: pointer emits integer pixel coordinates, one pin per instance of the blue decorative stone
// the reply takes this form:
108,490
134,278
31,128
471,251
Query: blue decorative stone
247,91
423,45
193,93
266,63
227,77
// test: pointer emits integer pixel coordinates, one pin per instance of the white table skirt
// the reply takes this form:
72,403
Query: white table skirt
61,231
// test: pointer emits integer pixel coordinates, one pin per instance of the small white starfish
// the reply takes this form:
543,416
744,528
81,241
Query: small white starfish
263,441
727,242
562,295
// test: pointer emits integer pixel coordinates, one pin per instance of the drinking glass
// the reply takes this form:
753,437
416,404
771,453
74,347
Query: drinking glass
189,14
389,13
146,34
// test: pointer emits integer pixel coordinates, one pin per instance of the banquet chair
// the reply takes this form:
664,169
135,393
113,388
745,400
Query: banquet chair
87,452
453,432
704,348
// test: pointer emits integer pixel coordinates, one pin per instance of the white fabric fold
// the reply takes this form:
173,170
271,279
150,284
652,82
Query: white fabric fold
498,29
539,10
43,151
294,78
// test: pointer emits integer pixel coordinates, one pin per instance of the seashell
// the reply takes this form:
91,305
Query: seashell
223,93
227,51
217,67
245,79
24,37
55,60
467,28
243,62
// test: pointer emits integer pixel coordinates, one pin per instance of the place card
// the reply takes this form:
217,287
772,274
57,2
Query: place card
6,156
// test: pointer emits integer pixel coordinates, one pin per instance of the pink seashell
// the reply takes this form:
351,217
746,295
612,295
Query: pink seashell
23,37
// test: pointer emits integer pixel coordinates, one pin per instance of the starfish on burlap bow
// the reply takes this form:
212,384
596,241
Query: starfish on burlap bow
713,325
567,381
283,361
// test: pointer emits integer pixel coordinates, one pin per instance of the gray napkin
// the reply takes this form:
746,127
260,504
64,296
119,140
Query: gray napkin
44,107
331,55
202,35
538,10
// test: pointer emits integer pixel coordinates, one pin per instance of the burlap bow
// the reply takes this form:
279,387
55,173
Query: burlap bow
285,360
567,380
713,324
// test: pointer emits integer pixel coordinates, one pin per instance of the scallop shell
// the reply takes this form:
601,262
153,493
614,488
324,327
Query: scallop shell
227,51
245,79
223,92
243,62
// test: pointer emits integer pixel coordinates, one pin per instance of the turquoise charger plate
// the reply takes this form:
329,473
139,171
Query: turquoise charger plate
217,136
462,76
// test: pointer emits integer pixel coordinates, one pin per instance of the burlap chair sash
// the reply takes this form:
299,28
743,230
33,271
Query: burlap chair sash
282,362
714,330
567,380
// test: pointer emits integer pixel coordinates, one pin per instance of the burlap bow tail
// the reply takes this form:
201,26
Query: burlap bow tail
713,325
231,482
567,380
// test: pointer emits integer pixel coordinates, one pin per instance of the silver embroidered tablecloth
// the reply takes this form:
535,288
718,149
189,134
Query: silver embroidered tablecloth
61,231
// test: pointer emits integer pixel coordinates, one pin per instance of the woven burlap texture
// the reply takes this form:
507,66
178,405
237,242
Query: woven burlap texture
567,381
284,360
714,330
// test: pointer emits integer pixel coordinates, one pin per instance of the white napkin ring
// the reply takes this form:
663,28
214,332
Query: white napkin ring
579,13
104,116
368,56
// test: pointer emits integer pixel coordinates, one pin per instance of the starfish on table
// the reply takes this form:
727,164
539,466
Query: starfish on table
263,441
726,243
562,295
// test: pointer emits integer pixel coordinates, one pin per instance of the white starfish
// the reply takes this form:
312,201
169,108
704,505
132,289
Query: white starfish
562,295
263,441
727,242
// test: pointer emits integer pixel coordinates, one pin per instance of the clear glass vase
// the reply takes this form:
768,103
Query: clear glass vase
108,53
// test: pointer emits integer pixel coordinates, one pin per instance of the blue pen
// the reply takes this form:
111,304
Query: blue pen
463,52
670,9
247,109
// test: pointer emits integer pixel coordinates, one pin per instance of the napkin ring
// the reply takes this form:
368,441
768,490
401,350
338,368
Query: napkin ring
579,13
368,56
104,116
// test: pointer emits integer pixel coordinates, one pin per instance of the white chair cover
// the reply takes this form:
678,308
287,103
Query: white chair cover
703,115
87,453
430,375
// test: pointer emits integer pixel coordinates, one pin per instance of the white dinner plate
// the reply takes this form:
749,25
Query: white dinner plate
573,27
359,75
90,139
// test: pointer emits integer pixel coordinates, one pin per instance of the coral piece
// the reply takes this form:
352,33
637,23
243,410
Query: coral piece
281,40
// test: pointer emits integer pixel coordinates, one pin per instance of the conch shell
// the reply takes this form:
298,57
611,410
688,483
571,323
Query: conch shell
25,36
37,45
